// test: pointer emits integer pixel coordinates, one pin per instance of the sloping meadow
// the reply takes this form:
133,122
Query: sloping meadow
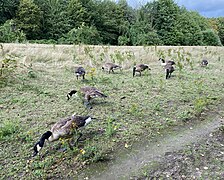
35,80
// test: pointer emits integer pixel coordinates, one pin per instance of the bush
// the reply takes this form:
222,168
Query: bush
10,33
211,38
123,40
7,67
82,35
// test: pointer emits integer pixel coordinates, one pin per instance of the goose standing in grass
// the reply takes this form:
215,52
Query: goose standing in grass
204,62
139,68
88,92
169,69
80,71
64,128
110,67
164,63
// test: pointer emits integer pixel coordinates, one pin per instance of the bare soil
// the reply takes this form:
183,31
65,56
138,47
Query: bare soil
201,160
193,151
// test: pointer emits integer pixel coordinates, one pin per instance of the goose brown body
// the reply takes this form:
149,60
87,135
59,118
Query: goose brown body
164,63
88,92
110,67
139,68
64,128
91,92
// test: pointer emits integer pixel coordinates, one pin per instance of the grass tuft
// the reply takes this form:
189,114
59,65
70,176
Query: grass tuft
8,128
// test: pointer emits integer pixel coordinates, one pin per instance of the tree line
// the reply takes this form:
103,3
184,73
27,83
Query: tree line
106,22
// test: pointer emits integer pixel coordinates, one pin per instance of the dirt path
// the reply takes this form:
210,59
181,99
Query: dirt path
129,162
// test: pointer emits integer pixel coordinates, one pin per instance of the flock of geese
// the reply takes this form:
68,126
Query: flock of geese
66,128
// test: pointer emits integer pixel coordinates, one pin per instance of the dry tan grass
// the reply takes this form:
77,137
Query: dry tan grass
53,57
70,54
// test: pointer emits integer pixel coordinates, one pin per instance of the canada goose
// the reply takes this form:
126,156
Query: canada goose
80,71
168,69
110,67
64,128
88,92
204,63
164,63
139,68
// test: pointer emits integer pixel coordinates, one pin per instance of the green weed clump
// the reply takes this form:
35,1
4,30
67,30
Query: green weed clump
111,128
8,128
88,153
200,105
7,67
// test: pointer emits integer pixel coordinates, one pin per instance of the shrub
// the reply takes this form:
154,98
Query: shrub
123,40
82,35
7,67
9,33
211,38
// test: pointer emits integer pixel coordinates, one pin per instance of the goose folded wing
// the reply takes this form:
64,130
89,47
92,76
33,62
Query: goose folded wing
96,93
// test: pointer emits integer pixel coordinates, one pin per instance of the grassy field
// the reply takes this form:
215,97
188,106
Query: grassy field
33,97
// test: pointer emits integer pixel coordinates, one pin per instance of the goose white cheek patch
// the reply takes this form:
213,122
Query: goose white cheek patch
38,147
88,121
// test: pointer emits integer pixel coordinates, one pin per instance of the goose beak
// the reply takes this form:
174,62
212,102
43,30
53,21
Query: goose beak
34,154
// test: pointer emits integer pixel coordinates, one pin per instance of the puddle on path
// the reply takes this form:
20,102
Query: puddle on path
131,161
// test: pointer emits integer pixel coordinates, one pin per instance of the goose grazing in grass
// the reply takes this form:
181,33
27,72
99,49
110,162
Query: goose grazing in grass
139,68
88,92
204,62
64,128
110,67
80,71
164,63
169,70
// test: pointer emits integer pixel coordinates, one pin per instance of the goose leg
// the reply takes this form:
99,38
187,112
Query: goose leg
87,105
80,135
69,145
167,74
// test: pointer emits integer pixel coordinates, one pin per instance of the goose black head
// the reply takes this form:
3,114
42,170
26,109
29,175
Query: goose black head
71,93
147,67
39,145
161,59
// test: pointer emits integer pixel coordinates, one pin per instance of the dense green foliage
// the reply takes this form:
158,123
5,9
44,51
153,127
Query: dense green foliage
8,33
160,22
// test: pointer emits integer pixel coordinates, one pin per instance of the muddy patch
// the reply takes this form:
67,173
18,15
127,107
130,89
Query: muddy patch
201,160
130,162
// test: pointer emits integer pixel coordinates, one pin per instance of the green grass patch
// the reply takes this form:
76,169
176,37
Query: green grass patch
135,108
8,128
